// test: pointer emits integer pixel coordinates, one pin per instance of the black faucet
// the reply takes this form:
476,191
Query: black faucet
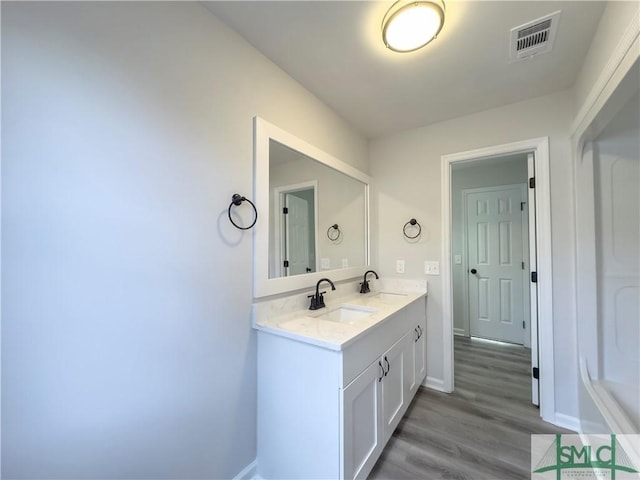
317,300
364,286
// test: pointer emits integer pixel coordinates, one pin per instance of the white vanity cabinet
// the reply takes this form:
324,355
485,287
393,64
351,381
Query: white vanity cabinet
372,406
362,422
328,413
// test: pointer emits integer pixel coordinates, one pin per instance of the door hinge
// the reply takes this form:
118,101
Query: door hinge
535,373
532,182
534,277
523,324
285,210
522,204
522,265
286,264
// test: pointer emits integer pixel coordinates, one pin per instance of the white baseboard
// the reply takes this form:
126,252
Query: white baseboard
568,422
589,427
459,331
249,472
434,384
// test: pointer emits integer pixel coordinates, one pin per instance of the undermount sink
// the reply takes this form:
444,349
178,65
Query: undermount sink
390,297
347,313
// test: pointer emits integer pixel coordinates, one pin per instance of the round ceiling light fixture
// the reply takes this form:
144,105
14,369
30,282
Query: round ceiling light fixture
410,25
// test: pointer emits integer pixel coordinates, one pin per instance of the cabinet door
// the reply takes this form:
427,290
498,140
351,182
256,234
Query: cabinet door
362,422
419,357
395,361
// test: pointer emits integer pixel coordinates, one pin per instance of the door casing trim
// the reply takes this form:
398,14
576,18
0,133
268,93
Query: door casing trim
540,147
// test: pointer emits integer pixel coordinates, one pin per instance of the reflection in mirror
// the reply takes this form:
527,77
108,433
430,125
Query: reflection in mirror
293,250
306,199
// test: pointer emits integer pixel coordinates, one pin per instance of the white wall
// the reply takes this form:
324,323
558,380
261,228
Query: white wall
127,350
413,190
509,171
616,19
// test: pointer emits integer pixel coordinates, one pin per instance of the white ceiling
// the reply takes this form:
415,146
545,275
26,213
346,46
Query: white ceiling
334,49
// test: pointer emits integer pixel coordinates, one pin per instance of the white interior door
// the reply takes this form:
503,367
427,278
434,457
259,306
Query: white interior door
533,286
297,235
494,218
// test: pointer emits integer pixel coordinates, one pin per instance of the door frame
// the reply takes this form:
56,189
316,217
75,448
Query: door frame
278,228
540,147
526,334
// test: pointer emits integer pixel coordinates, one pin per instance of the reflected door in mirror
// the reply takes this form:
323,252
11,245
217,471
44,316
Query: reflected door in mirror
299,244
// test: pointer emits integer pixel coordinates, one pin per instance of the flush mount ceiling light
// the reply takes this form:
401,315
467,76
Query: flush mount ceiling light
410,25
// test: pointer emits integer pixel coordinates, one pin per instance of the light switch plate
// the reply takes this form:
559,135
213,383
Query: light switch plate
457,259
345,263
432,268
399,266
325,263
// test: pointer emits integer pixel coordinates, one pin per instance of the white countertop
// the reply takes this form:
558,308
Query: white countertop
302,325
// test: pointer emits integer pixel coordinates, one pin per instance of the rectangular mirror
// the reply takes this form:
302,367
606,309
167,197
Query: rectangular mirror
318,214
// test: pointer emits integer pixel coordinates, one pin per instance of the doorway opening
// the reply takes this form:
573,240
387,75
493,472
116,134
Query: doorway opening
491,258
534,243
490,245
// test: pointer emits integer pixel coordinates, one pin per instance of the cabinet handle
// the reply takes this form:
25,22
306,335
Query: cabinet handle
381,368
417,334
388,366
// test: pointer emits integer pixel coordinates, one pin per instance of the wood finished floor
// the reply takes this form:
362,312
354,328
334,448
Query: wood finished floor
479,432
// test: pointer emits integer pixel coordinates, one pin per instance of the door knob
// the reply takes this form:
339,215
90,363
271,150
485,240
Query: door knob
473,270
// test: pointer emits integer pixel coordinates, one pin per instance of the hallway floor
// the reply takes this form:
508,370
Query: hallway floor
479,432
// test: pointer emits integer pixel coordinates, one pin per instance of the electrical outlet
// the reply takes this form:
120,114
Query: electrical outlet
325,263
432,268
345,263
399,266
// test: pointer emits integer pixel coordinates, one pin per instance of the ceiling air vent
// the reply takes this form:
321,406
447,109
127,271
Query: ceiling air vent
533,38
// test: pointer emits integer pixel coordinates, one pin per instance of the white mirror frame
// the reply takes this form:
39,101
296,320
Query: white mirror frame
263,285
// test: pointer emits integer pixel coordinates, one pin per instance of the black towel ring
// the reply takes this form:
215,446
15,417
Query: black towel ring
412,222
336,236
237,201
